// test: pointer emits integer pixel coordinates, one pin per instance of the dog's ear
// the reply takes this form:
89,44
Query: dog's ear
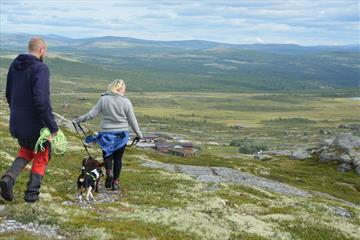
101,164
84,161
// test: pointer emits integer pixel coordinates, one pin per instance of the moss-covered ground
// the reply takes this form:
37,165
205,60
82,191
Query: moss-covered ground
155,204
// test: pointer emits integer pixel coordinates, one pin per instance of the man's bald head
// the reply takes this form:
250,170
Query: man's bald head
37,46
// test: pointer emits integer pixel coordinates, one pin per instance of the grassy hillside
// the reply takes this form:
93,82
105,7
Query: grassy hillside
156,204
199,65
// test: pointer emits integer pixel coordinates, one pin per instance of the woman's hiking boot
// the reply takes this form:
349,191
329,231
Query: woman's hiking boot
115,185
109,179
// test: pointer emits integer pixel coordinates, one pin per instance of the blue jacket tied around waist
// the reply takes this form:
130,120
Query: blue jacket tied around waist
109,141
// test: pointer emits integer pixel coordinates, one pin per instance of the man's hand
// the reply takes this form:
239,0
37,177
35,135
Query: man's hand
50,138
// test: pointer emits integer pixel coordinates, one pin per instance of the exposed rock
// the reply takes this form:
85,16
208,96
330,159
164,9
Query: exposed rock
346,141
357,170
344,148
300,154
228,175
344,167
326,142
327,156
342,212
278,152
344,158
354,156
34,228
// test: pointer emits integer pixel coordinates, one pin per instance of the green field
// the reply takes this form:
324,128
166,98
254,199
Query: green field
155,204
212,116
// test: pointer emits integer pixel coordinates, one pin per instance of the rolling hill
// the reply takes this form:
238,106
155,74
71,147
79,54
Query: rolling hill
197,65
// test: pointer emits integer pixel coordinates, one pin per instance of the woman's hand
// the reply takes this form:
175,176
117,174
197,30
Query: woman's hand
76,120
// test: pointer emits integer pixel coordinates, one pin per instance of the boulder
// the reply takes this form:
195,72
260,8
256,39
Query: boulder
327,156
346,141
355,158
344,167
343,158
326,142
357,170
342,212
344,148
278,152
299,154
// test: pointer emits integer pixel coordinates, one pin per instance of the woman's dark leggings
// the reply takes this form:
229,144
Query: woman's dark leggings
117,157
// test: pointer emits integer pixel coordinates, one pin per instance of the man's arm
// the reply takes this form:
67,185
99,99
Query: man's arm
41,98
8,86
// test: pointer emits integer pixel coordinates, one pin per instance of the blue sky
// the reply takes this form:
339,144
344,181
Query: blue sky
305,22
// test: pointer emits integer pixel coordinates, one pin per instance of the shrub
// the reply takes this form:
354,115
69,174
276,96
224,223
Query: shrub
249,146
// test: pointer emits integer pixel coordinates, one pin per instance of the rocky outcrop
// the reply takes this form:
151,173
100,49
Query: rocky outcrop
344,148
228,175
47,231
297,154
300,154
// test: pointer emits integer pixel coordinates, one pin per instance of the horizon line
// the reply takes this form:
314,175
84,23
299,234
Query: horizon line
186,40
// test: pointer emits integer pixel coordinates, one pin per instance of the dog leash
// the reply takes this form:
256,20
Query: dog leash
82,130
134,142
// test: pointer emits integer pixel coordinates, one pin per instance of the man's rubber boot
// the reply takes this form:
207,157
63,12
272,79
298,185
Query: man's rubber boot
6,185
33,188
8,180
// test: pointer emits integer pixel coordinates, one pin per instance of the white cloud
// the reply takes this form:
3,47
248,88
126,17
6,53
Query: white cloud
306,22
259,40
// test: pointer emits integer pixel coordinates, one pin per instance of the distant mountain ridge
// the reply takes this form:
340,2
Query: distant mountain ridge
197,65
20,40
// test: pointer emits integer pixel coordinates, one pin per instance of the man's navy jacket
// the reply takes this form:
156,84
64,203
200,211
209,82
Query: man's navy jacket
28,96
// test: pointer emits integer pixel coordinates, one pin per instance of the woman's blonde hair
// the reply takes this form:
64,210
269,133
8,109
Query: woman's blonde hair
115,85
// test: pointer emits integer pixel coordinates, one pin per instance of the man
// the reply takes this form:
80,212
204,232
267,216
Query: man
28,96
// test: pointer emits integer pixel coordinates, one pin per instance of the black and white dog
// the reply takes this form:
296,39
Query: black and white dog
89,178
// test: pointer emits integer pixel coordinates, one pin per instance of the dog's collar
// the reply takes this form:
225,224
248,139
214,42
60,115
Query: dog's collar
94,174
95,171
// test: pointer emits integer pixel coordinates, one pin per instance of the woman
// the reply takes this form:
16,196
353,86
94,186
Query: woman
117,114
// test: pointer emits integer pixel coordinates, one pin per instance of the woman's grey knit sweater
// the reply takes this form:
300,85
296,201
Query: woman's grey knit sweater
117,114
